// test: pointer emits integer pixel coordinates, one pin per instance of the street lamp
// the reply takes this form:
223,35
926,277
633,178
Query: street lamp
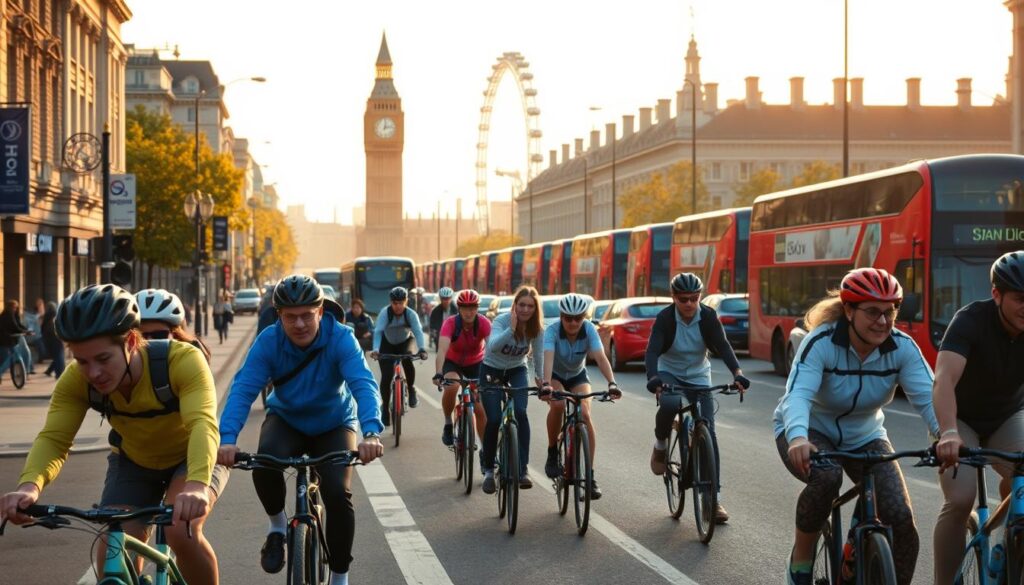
198,208
517,187
693,143
254,203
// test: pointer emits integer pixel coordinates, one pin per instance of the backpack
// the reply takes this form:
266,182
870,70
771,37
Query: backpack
458,327
705,327
159,377
405,313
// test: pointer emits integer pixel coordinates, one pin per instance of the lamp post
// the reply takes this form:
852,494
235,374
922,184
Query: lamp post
199,208
254,203
693,144
846,101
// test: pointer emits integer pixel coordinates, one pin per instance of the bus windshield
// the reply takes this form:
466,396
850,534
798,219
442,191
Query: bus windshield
377,279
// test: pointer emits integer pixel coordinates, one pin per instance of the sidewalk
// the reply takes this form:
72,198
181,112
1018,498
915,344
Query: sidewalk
23,412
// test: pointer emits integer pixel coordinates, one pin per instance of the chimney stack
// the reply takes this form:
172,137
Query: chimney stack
627,126
579,147
663,110
838,92
645,118
914,93
595,139
796,93
963,93
710,98
609,133
857,93
565,153
753,99
552,158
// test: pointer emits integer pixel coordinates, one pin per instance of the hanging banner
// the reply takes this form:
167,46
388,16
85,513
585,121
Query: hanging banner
15,128
122,202
220,233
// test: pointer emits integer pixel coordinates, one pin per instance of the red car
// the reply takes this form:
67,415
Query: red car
626,328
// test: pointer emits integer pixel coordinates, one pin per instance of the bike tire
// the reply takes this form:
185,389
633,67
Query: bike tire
468,448
1014,555
396,409
675,462
298,556
510,475
705,488
879,566
499,473
457,444
18,373
821,570
562,482
971,569
584,475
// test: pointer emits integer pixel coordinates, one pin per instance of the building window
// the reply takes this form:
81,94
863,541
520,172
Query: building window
191,114
745,170
140,78
191,85
778,168
713,172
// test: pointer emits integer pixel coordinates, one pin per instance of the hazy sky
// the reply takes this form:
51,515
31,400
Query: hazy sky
318,57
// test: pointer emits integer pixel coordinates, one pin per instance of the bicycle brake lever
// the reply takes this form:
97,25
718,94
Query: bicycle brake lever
50,522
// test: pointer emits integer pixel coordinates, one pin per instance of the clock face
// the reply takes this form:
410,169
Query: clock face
384,128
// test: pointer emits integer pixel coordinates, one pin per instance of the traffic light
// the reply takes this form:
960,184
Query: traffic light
124,254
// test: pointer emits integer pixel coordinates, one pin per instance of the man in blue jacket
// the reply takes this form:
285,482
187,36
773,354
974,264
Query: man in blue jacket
322,385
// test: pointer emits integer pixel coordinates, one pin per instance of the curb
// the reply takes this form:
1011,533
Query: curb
228,366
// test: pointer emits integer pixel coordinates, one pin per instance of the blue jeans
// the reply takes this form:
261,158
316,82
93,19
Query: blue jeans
669,406
516,377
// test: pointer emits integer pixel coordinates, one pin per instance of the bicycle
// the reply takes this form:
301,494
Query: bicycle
507,474
574,441
119,568
465,429
871,538
308,555
14,363
399,397
691,461
1002,562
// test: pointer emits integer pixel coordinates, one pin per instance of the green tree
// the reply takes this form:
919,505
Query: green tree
161,155
496,241
271,223
818,171
664,197
761,182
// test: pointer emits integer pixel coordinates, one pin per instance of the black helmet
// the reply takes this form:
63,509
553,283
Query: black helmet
686,282
298,290
96,310
398,294
1008,272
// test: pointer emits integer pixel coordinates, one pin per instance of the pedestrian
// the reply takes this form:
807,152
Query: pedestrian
33,322
223,315
13,331
54,347
361,323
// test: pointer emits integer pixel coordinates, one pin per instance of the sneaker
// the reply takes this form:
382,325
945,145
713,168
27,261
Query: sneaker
272,553
595,492
447,437
721,516
796,578
525,482
658,466
413,400
551,467
488,485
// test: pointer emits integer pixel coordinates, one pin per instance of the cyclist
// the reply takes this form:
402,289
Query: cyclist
845,372
677,353
397,327
979,399
460,351
445,308
361,323
513,336
567,344
321,382
156,454
163,317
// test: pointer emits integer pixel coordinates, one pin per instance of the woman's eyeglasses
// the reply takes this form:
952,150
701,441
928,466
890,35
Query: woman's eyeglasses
874,313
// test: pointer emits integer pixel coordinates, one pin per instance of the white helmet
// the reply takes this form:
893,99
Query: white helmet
445,292
573,304
157,304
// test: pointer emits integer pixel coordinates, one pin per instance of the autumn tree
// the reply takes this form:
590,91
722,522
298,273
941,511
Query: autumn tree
818,171
664,197
161,156
496,241
272,226
761,182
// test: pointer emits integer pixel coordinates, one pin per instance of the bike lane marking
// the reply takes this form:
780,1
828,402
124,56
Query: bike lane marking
412,551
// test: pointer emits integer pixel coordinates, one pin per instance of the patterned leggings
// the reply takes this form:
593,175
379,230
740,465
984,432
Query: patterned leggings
815,502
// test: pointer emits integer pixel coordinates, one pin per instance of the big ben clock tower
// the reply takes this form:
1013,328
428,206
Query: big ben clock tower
383,137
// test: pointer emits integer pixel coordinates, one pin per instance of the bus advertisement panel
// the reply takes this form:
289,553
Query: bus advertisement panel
936,225
558,267
536,262
714,246
372,278
599,263
508,270
650,253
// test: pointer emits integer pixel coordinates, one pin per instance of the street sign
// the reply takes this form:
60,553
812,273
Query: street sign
122,202
227,277
15,149
220,233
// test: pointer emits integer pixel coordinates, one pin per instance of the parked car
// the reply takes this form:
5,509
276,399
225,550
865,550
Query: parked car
247,300
485,302
734,313
499,305
549,306
626,327
796,337
598,310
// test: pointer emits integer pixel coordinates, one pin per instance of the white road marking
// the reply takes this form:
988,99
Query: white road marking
88,578
412,552
428,398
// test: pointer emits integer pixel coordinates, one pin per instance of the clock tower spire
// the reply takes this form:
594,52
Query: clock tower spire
383,140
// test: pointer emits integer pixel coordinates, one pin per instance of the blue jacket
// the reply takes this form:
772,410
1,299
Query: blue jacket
333,390
831,391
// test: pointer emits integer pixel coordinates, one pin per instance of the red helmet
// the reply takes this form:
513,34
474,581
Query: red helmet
870,284
468,298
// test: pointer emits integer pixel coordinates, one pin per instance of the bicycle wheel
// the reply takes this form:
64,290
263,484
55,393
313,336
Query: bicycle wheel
675,461
299,568
18,373
562,482
397,392
457,444
510,475
705,488
971,568
499,473
584,474
879,567
1015,554
821,572
467,446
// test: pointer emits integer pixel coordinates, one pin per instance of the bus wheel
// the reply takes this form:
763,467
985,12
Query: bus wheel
778,354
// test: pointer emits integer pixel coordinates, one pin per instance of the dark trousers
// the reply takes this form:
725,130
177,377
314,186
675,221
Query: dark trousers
516,377
55,348
280,439
670,404
387,373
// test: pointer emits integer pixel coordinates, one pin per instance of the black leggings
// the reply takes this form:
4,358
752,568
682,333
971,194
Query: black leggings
387,372
280,439
815,502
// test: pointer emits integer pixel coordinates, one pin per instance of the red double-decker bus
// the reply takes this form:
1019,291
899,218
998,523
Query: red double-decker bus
559,267
469,275
936,225
454,270
508,270
537,266
650,256
599,264
714,246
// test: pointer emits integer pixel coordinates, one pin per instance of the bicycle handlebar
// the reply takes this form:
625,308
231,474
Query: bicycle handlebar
50,516
875,457
724,389
249,461
603,396
458,381
399,356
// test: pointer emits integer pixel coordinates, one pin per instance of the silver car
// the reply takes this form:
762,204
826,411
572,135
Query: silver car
246,300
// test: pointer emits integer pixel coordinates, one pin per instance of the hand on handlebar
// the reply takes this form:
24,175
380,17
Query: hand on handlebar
613,391
12,504
374,355
799,454
948,450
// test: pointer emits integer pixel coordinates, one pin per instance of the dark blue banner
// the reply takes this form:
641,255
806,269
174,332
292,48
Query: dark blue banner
220,233
15,126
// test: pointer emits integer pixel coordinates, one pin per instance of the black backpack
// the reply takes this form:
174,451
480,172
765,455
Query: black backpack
405,313
159,377
458,327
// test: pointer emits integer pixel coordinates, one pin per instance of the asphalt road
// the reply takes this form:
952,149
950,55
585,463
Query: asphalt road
416,525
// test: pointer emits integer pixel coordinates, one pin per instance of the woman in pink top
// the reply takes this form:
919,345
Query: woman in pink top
460,351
